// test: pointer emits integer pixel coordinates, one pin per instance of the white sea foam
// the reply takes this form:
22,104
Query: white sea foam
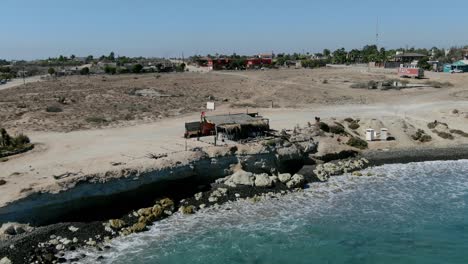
400,185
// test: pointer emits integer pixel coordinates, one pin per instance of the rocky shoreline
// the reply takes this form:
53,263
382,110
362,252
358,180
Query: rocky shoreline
49,244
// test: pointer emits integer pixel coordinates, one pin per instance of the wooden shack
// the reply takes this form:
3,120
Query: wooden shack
230,126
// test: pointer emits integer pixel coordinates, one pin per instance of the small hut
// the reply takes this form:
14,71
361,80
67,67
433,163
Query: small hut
231,126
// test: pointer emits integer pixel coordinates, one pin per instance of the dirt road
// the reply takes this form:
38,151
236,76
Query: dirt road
19,81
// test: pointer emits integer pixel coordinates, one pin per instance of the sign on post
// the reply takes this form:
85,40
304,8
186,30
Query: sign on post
210,105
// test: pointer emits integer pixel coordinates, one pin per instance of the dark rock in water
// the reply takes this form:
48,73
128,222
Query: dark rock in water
49,257
61,260
100,258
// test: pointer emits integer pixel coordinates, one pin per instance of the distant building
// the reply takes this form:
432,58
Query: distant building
405,59
461,65
258,62
411,58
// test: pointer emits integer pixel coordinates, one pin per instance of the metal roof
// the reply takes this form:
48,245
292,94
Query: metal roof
410,55
460,63
241,119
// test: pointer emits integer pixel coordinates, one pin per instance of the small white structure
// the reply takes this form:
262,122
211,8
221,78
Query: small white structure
210,105
370,134
383,134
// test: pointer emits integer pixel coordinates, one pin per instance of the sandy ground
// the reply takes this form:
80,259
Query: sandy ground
296,102
19,81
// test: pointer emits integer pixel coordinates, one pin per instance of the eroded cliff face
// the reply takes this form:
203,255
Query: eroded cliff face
92,197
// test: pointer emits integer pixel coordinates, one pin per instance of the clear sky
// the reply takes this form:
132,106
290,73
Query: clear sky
40,28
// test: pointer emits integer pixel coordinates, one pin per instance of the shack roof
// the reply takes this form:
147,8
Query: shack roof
242,119
460,63
410,55
192,126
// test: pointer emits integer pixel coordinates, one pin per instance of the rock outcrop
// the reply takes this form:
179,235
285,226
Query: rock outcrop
323,171
263,180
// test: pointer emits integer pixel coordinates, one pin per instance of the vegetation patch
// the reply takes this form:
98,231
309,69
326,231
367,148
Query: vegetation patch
337,129
437,84
357,143
324,127
443,135
421,136
459,132
433,125
354,125
10,145
96,120
54,109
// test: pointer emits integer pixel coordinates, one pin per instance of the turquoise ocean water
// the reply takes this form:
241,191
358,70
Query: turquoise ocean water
413,213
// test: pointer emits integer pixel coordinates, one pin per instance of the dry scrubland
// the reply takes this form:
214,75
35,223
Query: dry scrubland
77,102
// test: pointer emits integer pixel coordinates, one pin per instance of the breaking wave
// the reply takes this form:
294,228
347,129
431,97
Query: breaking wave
402,213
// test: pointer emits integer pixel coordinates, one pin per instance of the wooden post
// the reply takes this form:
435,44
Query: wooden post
216,135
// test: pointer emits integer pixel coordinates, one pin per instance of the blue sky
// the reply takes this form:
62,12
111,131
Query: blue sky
36,29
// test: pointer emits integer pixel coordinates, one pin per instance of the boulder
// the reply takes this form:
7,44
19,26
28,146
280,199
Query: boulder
263,180
274,178
5,260
240,178
157,210
284,177
12,229
145,211
320,174
9,230
138,227
198,196
296,181
73,229
167,204
187,209
116,223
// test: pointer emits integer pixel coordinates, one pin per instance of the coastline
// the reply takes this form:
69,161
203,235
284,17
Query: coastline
422,154
19,248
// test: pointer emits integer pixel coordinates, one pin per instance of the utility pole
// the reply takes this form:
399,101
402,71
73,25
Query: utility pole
377,34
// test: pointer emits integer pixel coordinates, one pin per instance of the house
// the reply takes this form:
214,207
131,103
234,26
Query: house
258,62
461,65
231,126
403,58
408,58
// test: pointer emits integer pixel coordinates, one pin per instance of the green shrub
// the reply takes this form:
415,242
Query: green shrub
357,143
21,140
96,119
53,109
417,135
444,135
336,129
425,138
437,84
359,85
354,125
324,127
459,132
421,136
431,125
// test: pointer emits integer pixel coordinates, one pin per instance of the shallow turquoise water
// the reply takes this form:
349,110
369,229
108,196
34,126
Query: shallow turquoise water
414,213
